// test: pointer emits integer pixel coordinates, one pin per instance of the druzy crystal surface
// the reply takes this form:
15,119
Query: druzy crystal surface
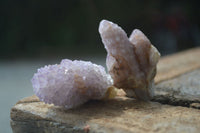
71,83
131,62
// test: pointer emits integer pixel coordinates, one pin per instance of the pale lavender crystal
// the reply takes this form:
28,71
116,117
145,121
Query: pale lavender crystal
71,83
131,62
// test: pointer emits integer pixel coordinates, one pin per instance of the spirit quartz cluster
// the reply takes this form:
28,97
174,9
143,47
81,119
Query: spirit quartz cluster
71,83
131,63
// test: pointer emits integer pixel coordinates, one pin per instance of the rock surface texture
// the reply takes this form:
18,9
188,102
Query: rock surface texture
123,114
182,90
71,83
131,62
178,81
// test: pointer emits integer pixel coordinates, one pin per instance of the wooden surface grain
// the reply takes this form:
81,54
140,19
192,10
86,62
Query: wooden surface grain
117,115
176,64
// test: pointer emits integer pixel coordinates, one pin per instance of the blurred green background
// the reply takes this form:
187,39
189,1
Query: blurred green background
34,33
39,28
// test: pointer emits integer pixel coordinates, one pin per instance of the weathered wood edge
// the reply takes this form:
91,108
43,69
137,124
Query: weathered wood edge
171,66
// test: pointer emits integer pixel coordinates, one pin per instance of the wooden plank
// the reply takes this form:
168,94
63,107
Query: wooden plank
176,64
118,115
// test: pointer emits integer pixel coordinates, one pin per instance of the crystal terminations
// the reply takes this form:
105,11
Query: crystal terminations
131,62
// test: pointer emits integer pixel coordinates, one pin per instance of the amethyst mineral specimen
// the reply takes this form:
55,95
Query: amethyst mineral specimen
131,62
71,83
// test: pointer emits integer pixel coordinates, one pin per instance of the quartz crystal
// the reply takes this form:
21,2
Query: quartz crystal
131,62
71,83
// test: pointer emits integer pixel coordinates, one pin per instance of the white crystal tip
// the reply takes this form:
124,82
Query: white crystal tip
137,31
138,35
104,25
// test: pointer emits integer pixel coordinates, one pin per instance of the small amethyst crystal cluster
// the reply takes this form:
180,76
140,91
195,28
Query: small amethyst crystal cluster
131,63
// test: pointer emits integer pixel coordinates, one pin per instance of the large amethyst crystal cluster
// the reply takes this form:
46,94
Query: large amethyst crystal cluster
71,83
131,63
